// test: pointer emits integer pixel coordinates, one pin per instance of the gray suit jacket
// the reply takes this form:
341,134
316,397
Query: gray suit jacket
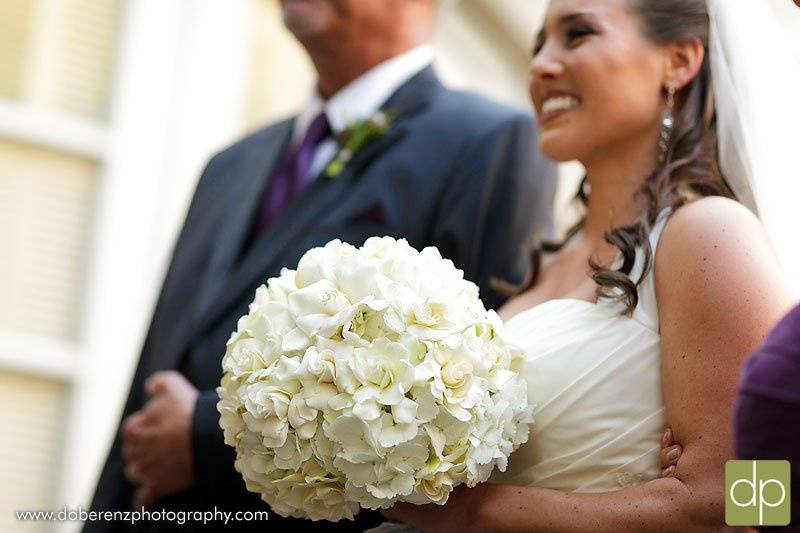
455,171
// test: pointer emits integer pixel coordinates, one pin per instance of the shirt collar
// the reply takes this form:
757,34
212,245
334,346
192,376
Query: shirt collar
365,95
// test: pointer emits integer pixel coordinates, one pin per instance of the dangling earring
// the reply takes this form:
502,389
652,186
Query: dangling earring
667,124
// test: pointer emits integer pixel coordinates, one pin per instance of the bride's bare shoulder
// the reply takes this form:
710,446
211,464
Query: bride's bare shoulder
712,209
714,250
708,224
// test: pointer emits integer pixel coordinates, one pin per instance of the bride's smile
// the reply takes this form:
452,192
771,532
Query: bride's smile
556,104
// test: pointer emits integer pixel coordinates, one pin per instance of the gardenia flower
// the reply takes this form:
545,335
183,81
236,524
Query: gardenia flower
369,376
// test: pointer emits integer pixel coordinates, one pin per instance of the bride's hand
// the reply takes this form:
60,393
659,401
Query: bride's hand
456,515
669,455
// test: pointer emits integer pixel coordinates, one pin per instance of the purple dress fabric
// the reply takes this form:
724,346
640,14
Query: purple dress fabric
766,420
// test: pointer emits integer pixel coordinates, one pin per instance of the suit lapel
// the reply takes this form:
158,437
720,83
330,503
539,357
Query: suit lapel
247,182
317,198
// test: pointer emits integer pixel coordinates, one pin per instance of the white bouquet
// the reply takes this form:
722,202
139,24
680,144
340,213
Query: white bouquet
369,376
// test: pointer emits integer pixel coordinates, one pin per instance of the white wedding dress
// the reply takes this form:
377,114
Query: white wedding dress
595,380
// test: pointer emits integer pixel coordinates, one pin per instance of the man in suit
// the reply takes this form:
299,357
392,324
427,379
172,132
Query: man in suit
451,170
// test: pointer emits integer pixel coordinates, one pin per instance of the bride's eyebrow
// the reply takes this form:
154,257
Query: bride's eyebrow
564,20
571,17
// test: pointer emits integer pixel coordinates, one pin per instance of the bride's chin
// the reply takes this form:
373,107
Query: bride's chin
558,150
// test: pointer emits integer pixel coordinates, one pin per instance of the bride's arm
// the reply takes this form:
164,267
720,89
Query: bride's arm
718,293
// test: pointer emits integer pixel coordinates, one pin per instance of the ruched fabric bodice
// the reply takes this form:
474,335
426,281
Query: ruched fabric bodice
594,378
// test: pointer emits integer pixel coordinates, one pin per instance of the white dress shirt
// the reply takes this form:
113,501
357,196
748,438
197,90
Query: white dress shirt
359,100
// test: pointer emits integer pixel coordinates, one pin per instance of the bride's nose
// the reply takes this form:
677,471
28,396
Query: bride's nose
546,64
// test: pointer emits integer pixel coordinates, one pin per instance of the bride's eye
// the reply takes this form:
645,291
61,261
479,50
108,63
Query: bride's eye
576,34
537,47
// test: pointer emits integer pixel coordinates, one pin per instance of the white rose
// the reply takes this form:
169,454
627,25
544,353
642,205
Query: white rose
318,263
246,356
320,364
367,324
452,381
385,375
358,277
384,247
321,309
433,488
278,289
270,318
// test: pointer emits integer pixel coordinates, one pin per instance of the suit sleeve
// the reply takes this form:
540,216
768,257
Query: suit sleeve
212,458
498,204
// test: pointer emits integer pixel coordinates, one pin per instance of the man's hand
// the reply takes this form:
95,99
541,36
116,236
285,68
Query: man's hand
157,442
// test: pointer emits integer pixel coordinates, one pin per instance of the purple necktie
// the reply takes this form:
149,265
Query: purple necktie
287,179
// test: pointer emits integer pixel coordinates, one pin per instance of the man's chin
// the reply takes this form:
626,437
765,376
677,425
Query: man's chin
305,18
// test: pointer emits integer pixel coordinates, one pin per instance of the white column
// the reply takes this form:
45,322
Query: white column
178,97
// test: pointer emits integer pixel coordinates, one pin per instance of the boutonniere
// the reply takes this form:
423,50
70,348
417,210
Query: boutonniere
358,134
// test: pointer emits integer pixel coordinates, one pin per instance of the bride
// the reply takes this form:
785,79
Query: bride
641,319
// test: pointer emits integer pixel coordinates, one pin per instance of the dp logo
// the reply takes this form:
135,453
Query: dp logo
757,493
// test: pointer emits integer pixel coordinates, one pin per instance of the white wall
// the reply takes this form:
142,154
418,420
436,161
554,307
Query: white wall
177,99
